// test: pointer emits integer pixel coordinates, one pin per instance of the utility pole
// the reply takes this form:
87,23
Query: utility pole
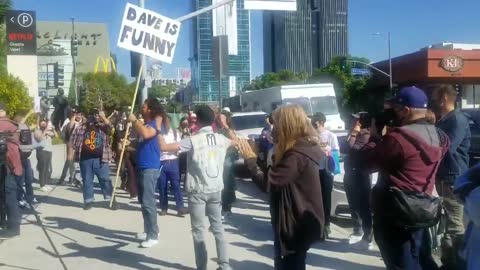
74,73
144,93
390,62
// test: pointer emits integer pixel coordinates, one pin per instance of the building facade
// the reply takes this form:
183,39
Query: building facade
205,85
53,46
306,39
329,30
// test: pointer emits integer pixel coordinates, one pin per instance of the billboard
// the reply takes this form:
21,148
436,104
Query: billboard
287,5
21,28
58,51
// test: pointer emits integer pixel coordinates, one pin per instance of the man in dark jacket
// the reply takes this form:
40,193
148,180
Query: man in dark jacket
407,158
358,184
455,124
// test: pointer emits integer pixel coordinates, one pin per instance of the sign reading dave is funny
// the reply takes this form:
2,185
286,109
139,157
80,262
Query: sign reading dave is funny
149,33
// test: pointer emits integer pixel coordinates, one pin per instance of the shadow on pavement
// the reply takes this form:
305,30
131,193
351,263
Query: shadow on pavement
16,267
245,264
45,199
61,223
114,255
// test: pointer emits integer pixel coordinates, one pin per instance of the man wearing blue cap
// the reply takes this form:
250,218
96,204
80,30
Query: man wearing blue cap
407,158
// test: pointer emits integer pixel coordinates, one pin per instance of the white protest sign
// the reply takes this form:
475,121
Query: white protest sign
148,33
36,106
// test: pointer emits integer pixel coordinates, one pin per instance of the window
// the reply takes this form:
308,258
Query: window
325,105
248,121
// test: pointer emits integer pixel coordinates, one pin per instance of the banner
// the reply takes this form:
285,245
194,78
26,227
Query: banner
287,5
149,33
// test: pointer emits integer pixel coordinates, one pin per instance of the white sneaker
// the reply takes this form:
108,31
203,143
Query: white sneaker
34,201
149,243
363,245
353,239
23,203
142,236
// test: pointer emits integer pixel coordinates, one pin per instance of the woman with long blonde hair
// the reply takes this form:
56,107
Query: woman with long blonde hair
296,206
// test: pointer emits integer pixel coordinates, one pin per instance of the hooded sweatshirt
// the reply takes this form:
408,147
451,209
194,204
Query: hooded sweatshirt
408,158
299,171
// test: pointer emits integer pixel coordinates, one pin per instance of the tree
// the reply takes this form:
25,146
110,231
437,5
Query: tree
14,94
283,77
107,91
351,90
162,91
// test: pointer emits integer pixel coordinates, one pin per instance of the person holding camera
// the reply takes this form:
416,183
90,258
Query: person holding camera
90,143
358,183
407,158
11,169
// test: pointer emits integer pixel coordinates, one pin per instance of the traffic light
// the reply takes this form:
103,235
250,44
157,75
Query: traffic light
74,47
58,75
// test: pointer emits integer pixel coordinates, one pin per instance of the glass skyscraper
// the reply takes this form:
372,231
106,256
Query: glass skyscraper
206,86
306,39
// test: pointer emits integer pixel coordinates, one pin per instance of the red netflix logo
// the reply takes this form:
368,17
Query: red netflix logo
20,37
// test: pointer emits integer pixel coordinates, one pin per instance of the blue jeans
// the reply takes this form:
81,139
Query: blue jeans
201,205
95,167
147,181
25,179
170,171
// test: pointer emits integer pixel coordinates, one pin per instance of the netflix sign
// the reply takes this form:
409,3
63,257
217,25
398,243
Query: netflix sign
21,32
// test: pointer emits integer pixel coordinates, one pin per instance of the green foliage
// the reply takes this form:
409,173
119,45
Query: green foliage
174,107
283,77
107,91
14,94
3,50
162,91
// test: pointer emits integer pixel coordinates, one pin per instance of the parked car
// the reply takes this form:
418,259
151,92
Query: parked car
474,116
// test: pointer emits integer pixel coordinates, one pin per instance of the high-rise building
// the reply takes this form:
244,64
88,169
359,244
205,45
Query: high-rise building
206,86
306,39
329,30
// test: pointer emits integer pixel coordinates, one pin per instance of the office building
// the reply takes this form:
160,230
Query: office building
306,39
329,30
204,83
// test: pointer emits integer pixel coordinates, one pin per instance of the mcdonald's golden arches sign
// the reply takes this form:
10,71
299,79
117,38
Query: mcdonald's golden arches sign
104,65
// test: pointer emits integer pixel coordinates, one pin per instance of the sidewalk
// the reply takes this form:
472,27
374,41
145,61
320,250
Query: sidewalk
103,239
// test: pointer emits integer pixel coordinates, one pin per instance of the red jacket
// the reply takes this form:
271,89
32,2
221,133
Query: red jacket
407,158
14,161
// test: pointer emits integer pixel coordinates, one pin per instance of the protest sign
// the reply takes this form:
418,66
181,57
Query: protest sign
149,33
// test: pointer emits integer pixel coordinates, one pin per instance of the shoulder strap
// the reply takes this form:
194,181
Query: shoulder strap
314,161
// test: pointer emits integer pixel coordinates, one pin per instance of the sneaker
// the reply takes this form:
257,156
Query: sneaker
23,204
363,245
34,201
149,243
88,206
355,238
142,236
182,212
163,212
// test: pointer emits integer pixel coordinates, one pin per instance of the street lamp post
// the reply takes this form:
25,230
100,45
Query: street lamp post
74,73
389,57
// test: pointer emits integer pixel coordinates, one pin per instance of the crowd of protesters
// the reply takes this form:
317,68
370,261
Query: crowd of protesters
418,145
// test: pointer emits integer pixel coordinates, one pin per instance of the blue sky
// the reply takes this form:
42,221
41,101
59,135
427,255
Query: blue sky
413,24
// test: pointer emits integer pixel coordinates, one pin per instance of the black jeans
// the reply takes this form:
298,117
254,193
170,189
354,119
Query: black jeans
229,184
44,167
296,261
9,197
358,188
326,182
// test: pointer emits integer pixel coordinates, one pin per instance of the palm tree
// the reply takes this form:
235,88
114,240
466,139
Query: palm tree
4,6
